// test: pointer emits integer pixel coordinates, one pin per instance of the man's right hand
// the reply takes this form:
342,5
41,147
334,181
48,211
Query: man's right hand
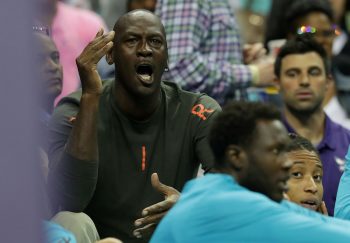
266,72
88,59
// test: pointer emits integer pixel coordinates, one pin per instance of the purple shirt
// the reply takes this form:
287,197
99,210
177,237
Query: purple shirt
332,150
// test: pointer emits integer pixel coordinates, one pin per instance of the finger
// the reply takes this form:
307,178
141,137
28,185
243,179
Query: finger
323,208
285,196
149,219
90,58
160,187
257,51
144,231
246,47
260,53
96,57
101,41
99,32
158,207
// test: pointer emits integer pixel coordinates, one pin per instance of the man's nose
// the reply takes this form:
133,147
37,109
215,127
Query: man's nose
52,66
310,185
304,80
144,50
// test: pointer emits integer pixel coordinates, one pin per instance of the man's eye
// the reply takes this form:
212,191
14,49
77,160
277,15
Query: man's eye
156,42
55,57
292,74
296,175
131,40
276,151
318,178
315,72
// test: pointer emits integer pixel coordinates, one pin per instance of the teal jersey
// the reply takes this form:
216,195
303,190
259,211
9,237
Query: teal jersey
215,208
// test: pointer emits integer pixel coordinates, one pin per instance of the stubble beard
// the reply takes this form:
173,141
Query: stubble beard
304,113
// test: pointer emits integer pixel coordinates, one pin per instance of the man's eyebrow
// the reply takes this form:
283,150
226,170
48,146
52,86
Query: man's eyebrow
315,66
292,69
319,165
298,162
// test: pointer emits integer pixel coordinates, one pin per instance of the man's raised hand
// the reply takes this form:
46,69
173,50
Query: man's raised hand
88,59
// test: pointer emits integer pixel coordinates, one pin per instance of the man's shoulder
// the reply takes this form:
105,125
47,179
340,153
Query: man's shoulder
74,98
174,92
337,128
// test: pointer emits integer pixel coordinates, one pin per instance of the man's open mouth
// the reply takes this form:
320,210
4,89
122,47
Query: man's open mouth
145,72
311,204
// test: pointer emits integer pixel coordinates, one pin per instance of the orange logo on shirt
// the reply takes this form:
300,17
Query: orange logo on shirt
200,111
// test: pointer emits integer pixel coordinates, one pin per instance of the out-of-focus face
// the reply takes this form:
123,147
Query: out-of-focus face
50,69
268,169
305,182
303,82
140,54
325,32
149,5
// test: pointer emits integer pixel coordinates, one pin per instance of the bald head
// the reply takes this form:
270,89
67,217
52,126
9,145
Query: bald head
124,20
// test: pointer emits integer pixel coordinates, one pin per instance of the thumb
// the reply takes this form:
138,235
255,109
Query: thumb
160,187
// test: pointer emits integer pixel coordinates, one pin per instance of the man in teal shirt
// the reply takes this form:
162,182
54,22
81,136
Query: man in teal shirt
242,200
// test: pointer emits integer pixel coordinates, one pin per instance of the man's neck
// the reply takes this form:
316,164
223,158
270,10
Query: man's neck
311,126
47,104
138,108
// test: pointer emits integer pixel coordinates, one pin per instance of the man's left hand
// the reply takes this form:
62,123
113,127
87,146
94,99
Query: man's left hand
253,53
154,213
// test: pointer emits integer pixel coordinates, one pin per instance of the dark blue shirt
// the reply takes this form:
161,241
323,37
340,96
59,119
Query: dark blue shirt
332,150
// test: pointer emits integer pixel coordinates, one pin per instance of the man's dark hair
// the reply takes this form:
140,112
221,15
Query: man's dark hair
301,8
298,143
300,45
236,125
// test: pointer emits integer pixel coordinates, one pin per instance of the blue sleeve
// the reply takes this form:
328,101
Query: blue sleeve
54,233
342,204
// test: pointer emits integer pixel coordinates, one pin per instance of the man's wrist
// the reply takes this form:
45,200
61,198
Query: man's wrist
254,70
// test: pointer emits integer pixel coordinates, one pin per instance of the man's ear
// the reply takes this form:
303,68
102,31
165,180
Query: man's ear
277,82
235,157
329,82
110,56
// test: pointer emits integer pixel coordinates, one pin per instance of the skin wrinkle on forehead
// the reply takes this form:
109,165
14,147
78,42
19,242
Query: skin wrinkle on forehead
302,157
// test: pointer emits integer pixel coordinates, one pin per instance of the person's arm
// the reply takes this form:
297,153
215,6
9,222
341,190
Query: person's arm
188,66
74,162
204,114
192,67
342,203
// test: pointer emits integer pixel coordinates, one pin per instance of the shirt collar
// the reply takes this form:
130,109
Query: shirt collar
327,140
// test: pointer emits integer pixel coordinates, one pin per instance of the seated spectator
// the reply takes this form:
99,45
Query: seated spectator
305,183
303,74
50,86
241,201
70,37
111,141
206,53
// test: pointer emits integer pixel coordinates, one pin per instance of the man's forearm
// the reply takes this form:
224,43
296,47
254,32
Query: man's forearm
82,142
